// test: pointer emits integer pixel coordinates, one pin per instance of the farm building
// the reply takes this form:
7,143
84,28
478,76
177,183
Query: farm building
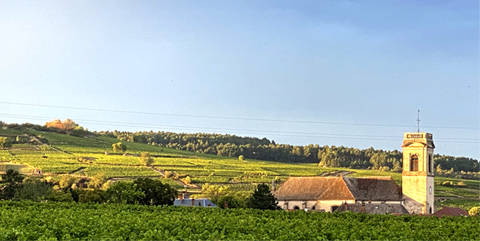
372,194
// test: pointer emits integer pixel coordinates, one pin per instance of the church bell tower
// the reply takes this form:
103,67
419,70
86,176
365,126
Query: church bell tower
418,173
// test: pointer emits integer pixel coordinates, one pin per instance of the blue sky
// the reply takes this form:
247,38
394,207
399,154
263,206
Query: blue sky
344,65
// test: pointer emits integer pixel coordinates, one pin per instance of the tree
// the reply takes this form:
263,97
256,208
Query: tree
124,192
4,142
146,158
119,147
262,198
155,192
13,180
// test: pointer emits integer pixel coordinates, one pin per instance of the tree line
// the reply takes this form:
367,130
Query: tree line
265,149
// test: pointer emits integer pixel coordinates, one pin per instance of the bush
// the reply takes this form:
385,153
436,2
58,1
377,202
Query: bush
230,202
66,182
97,181
5,142
119,147
241,158
155,192
475,211
124,192
34,190
146,158
93,196
60,196
187,180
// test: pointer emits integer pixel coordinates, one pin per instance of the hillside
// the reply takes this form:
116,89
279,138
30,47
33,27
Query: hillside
92,156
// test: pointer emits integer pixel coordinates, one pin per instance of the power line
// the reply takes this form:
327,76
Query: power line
230,117
252,131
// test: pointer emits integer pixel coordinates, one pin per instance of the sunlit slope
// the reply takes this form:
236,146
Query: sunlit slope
91,156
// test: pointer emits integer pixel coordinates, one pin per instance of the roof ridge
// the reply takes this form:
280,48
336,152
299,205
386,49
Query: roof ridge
348,188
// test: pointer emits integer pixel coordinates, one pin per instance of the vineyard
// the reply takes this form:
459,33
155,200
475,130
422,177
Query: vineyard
52,221
92,156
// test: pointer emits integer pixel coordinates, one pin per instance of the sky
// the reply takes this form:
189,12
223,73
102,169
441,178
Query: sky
344,73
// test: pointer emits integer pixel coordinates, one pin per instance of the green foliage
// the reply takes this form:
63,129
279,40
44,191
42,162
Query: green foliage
124,192
262,198
155,192
475,211
12,180
230,202
119,147
146,158
5,142
67,221
34,190
91,196
66,181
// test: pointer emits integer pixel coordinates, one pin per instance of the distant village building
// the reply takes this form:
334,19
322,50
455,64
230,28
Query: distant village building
190,202
370,194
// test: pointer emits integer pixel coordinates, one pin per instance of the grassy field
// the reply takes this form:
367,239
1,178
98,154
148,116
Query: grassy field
93,156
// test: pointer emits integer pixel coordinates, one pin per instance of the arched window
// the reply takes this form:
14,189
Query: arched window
414,163
296,208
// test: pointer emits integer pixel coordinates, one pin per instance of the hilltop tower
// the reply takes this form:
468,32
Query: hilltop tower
418,173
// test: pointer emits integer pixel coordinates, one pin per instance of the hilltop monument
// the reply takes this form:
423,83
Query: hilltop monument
418,173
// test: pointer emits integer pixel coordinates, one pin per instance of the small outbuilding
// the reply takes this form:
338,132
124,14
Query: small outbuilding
191,202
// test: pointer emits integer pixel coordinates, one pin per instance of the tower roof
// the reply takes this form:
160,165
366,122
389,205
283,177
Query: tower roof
424,138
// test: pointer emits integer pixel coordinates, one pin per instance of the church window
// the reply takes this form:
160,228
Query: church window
414,163
430,189
296,208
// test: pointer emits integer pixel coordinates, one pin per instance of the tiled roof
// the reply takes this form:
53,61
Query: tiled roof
374,189
339,188
314,188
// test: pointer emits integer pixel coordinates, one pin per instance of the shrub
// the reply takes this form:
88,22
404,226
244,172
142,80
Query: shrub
97,181
146,158
475,211
124,192
34,190
60,196
230,202
119,147
5,142
66,182
241,158
155,192
93,196
187,180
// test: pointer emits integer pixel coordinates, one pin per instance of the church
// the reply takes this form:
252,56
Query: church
378,195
